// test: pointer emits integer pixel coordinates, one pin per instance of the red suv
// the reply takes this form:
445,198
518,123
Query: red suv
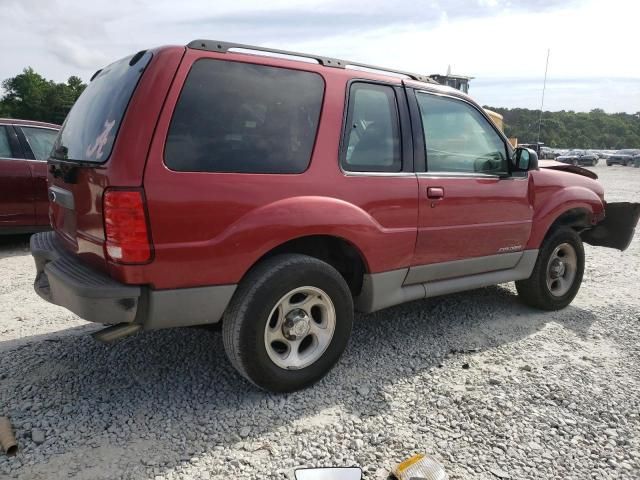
277,192
24,148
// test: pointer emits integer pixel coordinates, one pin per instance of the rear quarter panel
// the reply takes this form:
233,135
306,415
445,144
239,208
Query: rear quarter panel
210,228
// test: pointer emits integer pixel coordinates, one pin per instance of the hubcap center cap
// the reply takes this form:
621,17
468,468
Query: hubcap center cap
296,324
557,268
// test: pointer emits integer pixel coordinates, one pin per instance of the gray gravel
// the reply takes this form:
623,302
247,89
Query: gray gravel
493,389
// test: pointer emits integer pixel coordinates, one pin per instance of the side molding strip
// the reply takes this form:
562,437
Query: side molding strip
382,290
461,268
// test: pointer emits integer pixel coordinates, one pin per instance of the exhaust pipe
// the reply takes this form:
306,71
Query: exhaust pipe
7,438
116,332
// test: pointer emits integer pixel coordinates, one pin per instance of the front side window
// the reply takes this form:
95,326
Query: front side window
244,118
458,138
5,148
372,137
40,140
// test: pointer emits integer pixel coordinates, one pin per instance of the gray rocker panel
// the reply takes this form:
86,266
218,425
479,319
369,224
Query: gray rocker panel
382,290
460,268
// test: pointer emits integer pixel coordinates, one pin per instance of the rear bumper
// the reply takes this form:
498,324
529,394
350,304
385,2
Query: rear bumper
617,228
62,279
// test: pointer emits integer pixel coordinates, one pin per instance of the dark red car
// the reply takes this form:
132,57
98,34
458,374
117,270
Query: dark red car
24,148
279,191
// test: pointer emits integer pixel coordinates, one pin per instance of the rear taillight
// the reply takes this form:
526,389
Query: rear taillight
125,226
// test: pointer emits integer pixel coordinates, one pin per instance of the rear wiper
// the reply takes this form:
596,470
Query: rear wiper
67,169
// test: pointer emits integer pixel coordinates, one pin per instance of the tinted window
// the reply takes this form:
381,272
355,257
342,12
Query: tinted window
239,117
5,148
458,138
372,137
40,140
91,127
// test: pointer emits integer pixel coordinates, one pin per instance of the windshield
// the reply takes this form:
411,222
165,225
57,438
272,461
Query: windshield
625,152
576,152
91,127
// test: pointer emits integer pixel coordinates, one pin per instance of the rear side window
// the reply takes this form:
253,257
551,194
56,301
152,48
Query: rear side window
40,140
372,136
5,148
92,124
244,118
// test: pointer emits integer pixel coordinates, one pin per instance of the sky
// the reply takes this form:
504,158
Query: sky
593,62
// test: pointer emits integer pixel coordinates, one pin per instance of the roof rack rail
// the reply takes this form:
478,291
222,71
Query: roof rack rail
224,47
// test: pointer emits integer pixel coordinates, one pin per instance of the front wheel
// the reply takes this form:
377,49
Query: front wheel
557,274
288,322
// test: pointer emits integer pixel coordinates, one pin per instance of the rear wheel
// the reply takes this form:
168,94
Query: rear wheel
288,322
557,275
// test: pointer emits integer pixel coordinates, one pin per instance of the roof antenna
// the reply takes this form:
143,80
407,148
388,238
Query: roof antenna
544,87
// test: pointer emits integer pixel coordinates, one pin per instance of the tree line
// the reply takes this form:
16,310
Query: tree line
568,129
30,96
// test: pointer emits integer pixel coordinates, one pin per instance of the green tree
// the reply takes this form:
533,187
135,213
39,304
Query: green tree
30,96
569,129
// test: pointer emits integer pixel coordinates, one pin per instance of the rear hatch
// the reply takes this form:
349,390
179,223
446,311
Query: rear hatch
103,144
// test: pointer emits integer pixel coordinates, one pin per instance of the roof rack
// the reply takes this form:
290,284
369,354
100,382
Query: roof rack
224,47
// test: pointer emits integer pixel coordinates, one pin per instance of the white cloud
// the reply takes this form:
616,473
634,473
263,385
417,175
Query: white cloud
492,40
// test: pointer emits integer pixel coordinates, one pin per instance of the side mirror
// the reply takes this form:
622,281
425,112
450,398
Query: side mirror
331,473
525,159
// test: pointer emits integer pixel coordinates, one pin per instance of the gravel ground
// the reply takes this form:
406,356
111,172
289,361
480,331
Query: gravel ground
491,388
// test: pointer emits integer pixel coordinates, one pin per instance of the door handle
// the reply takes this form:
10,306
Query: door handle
435,192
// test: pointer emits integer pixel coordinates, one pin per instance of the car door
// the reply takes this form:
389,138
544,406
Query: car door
474,215
37,143
376,159
16,188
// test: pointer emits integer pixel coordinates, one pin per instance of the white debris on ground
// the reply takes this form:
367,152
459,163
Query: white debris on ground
491,388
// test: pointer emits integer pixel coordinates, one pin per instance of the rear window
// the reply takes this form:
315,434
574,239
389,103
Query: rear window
91,127
244,118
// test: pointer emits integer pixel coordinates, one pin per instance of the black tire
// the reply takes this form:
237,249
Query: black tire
534,290
608,164
245,320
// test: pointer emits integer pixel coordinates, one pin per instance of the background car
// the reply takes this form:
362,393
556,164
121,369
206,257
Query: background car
544,153
579,157
24,148
623,157
547,153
